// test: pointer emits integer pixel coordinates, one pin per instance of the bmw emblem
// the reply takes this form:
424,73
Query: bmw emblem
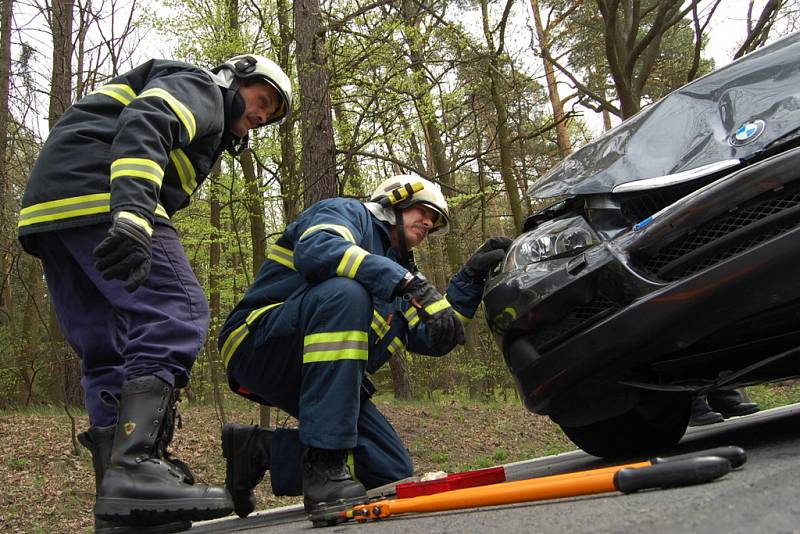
748,132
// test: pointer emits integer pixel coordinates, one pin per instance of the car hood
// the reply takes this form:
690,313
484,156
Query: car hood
692,128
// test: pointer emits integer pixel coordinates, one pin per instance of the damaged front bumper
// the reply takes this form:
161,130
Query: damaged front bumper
644,308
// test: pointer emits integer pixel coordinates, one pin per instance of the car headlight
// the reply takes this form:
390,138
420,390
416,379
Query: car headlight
560,238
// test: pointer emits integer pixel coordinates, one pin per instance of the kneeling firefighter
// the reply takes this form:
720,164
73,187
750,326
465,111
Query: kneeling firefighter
336,297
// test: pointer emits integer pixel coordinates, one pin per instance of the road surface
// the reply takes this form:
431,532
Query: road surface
761,496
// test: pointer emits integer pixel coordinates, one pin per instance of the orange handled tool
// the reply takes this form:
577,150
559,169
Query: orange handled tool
682,472
735,455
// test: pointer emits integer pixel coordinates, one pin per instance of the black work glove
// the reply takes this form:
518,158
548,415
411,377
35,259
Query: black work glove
486,258
125,254
444,328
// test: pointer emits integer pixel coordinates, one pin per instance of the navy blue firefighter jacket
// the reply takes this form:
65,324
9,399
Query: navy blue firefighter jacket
340,237
141,143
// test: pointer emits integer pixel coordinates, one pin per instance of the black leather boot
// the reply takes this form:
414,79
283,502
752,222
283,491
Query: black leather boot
142,486
730,403
99,440
246,450
702,414
327,482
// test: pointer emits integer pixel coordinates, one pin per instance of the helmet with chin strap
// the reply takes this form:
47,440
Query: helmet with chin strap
397,193
405,190
259,68
255,68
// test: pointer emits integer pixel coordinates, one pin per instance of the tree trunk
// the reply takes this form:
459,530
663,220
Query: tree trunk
60,98
258,236
31,322
433,135
401,381
562,135
61,95
5,181
215,254
318,162
289,181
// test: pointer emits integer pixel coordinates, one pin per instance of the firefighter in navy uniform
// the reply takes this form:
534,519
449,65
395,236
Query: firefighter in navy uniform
336,297
96,210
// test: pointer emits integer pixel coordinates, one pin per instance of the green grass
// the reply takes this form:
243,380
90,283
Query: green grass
774,395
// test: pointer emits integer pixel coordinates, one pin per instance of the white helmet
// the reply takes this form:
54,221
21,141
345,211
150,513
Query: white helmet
253,66
405,190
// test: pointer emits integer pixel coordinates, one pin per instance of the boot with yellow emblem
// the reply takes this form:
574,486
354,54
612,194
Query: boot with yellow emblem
142,485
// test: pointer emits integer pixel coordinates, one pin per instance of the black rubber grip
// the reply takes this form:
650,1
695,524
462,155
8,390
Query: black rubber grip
735,455
672,474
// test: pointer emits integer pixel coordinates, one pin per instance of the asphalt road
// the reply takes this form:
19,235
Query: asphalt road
761,496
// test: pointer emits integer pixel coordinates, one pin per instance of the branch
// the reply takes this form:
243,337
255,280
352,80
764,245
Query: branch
604,103
753,36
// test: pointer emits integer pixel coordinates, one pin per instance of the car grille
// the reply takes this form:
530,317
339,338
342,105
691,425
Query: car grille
636,207
738,231
578,318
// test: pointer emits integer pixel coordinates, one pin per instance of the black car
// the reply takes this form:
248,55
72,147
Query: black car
666,263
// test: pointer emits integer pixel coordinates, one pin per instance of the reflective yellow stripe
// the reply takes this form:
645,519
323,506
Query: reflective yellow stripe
463,318
338,228
127,215
181,111
65,208
161,212
379,324
411,316
239,334
396,345
282,255
335,346
437,306
118,91
186,171
139,168
351,261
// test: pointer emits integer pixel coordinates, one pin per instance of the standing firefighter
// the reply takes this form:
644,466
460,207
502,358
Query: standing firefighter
336,297
96,211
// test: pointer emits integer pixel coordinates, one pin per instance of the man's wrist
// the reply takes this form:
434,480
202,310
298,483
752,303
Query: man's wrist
403,284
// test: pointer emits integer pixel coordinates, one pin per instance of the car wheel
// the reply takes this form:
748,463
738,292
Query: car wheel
657,422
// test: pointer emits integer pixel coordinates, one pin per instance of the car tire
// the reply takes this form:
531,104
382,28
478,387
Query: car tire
658,422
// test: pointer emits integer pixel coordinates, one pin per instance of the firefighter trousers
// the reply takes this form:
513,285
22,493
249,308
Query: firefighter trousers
313,370
155,330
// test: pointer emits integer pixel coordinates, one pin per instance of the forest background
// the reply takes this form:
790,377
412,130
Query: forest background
481,97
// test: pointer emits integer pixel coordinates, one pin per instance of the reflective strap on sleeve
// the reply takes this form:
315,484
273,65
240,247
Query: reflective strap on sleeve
282,255
138,168
396,346
338,228
186,172
182,112
351,261
118,91
135,219
334,346
411,316
437,306
461,317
